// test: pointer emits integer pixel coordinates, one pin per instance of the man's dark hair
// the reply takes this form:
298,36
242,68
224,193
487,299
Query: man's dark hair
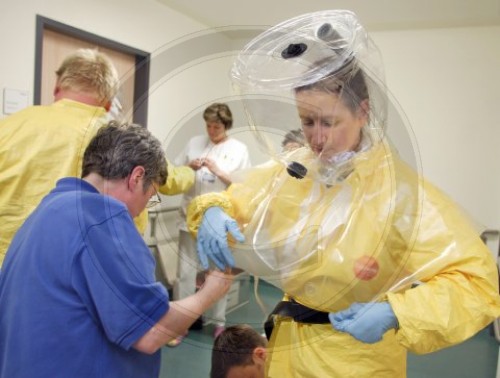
234,347
117,149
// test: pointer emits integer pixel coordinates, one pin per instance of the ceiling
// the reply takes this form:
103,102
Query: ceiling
375,15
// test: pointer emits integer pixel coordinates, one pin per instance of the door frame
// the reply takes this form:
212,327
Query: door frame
142,63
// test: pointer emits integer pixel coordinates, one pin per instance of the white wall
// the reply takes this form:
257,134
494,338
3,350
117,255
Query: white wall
446,80
448,83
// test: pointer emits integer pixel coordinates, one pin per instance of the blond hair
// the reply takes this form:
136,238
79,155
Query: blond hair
89,71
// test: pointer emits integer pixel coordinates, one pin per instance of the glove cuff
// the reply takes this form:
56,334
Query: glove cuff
199,205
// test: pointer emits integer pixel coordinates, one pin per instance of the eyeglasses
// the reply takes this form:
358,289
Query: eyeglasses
154,200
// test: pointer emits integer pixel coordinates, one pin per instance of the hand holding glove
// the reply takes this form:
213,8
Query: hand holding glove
212,238
367,322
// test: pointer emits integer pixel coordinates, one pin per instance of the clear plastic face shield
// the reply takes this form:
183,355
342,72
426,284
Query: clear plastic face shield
319,72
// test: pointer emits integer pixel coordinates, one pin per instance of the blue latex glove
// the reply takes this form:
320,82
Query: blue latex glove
212,238
366,322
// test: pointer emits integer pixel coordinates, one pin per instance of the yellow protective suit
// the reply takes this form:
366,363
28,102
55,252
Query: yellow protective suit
179,180
38,146
365,239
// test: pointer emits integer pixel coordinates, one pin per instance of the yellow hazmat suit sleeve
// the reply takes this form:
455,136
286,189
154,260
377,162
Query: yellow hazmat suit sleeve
239,201
459,291
179,180
200,204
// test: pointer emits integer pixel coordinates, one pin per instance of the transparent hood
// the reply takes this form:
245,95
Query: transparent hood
325,51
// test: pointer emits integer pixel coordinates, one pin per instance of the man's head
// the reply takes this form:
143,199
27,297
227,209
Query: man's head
239,351
129,160
89,73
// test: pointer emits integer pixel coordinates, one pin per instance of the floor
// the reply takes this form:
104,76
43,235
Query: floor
476,357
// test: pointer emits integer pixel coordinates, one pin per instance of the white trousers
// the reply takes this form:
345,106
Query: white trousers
187,269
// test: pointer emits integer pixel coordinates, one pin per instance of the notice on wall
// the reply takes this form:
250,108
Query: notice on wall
14,100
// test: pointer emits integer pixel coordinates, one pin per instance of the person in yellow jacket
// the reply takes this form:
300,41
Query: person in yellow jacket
41,144
373,259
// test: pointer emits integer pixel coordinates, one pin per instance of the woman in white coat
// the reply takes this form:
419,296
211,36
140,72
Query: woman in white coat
213,157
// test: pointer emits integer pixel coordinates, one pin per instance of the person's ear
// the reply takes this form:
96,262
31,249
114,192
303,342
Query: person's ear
136,177
259,355
364,108
57,90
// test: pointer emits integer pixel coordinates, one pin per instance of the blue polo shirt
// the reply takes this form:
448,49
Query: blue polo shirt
77,290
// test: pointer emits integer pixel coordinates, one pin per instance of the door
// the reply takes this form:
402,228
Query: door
55,41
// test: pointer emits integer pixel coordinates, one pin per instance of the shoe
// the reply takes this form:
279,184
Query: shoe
175,342
218,330
198,324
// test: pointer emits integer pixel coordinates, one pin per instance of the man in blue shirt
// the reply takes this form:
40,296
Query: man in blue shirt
78,295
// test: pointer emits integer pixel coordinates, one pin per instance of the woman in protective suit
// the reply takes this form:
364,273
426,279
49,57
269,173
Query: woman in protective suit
373,259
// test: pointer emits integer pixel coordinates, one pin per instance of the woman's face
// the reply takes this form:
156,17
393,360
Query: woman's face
329,126
216,131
